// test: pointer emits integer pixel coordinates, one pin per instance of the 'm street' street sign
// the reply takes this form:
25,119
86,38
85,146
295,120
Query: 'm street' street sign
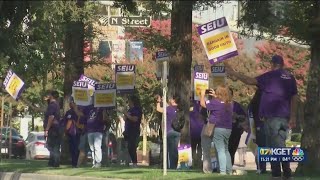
129,21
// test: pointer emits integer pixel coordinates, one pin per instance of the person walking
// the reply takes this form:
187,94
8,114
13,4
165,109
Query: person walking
173,137
196,125
71,131
239,117
253,110
51,128
132,119
278,106
219,124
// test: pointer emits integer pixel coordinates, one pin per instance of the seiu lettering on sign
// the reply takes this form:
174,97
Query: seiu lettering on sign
161,54
9,75
201,75
83,84
218,69
105,86
125,68
89,80
212,25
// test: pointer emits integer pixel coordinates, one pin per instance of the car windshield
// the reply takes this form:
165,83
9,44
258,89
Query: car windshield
6,132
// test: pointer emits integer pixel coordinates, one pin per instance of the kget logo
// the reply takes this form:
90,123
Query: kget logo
274,151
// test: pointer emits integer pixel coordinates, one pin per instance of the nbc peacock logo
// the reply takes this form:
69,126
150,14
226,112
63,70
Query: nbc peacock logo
297,155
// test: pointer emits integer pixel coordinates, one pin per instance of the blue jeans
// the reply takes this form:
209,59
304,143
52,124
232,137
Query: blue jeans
173,138
221,140
276,134
95,143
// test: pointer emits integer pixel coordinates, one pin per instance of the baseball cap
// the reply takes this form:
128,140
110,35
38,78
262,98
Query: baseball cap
276,59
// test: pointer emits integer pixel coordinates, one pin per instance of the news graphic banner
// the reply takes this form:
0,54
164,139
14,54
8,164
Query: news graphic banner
91,83
217,40
287,154
105,95
218,76
125,78
81,93
184,156
201,82
13,84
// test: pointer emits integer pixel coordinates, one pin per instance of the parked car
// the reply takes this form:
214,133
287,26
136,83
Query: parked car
18,145
36,146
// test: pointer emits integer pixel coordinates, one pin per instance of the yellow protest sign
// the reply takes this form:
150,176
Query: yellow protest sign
13,84
81,95
125,79
218,42
104,98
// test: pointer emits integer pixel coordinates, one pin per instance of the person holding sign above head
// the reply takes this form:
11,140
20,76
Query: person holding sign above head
173,136
95,129
51,128
278,106
219,124
131,133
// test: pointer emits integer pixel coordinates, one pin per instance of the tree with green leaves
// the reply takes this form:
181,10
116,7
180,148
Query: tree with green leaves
298,21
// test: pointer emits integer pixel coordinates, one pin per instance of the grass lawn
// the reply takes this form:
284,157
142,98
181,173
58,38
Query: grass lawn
27,166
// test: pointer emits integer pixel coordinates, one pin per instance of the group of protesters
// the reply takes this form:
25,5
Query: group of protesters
215,119
221,120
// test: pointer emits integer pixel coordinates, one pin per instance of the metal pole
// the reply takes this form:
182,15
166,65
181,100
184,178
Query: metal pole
2,110
164,80
10,131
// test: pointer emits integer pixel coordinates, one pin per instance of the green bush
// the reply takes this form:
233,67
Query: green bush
296,137
140,145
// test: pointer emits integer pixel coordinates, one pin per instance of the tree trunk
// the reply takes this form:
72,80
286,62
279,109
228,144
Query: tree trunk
310,136
180,65
74,67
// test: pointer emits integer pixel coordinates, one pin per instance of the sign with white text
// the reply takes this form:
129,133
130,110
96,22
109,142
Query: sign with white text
125,78
105,95
217,40
90,81
81,94
13,84
135,50
201,82
162,56
130,21
218,76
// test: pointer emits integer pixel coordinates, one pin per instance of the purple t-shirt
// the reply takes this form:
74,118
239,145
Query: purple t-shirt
278,87
53,109
133,127
171,114
83,119
196,121
219,113
94,120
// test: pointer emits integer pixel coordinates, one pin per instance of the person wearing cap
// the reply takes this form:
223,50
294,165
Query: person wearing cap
278,106
51,127
71,131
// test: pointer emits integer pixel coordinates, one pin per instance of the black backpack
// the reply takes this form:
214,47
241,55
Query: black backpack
178,122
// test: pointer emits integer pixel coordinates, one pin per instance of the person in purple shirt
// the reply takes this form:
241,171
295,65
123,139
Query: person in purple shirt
173,137
278,106
82,112
220,107
196,125
239,117
132,127
51,127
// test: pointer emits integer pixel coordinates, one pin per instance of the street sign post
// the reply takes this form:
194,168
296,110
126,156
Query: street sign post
130,21
163,56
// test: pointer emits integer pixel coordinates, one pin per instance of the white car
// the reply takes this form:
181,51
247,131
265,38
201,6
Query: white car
36,146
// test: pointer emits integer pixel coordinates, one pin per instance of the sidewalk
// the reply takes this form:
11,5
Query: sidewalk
31,176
